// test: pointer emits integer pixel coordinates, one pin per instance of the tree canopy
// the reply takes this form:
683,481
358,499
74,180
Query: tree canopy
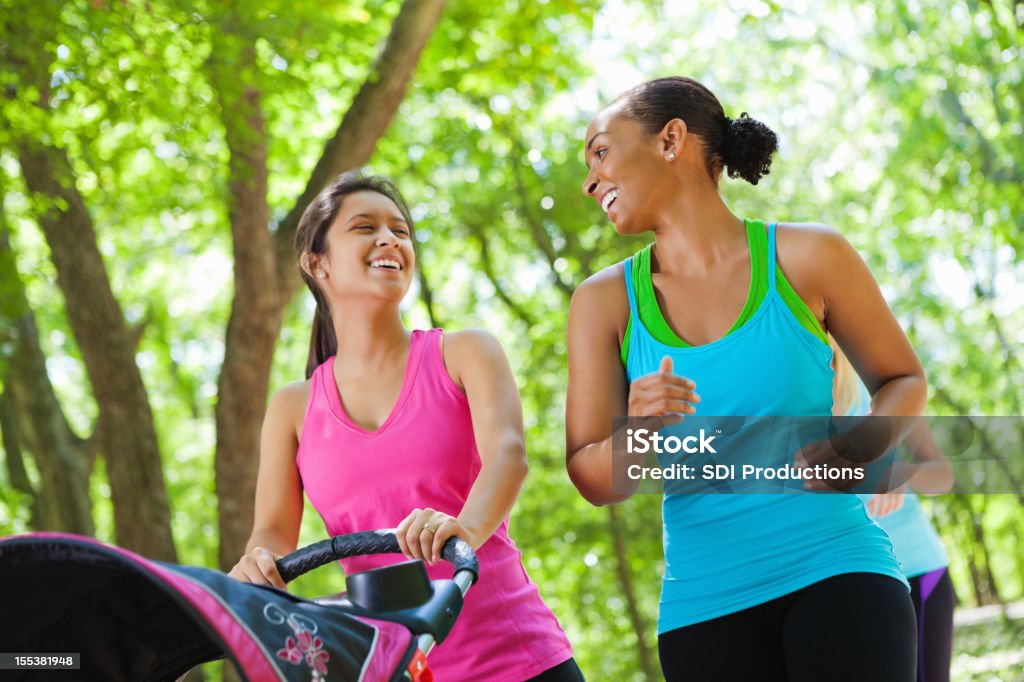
155,157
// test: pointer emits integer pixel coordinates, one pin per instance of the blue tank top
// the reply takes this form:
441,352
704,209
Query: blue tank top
725,553
917,545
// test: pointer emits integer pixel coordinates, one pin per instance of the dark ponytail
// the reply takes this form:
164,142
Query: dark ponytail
311,239
747,148
322,341
744,147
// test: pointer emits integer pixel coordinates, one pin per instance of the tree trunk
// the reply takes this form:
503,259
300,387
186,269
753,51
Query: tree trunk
265,272
254,321
62,500
978,531
968,548
127,436
10,440
622,567
33,417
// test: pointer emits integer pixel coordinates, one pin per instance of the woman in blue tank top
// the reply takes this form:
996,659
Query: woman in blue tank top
915,542
760,587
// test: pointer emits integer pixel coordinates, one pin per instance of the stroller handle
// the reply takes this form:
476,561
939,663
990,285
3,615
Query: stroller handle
456,551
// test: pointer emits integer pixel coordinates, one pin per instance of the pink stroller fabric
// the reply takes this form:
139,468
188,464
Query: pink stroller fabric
135,619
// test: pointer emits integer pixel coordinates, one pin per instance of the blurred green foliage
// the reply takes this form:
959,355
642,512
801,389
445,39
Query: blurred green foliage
900,124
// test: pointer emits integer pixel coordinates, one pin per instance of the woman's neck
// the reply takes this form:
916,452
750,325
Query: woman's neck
369,335
697,231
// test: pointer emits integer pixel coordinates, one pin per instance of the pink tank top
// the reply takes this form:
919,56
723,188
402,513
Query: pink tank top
424,455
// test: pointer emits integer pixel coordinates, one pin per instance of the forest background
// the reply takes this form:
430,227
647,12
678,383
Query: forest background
155,157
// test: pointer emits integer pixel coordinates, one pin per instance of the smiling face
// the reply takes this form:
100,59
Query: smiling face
627,170
369,250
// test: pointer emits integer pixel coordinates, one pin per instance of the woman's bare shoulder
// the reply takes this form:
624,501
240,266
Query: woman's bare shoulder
288,404
812,238
811,251
603,293
600,302
608,281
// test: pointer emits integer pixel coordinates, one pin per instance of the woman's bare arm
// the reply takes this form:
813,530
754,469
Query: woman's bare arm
278,513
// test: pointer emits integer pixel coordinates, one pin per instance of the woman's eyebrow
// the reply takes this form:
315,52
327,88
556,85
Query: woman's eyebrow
369,216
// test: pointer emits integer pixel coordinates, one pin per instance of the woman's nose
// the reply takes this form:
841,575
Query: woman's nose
386,237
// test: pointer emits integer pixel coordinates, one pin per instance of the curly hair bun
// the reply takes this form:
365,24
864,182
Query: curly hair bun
747,148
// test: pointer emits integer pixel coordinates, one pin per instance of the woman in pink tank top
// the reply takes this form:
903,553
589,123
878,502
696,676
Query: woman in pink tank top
416,429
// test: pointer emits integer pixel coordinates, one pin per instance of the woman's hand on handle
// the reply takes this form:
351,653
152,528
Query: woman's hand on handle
258,567
422,534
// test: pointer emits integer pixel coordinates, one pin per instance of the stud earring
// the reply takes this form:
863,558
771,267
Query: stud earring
321,275
671,156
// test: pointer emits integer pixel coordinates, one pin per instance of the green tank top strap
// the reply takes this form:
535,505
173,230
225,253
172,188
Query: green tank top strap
757,241
798,308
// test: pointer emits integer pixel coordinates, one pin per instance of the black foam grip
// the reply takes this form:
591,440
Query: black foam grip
455,551
460,554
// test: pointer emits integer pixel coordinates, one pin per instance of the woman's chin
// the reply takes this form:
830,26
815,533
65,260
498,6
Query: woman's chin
388,292
623,226
616,222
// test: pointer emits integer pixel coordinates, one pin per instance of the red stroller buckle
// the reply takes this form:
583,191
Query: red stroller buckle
418,670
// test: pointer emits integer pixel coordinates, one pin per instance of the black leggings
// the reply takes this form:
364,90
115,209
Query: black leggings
934,601
849,628
567,671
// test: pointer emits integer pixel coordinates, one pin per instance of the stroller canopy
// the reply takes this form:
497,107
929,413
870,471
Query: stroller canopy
134,619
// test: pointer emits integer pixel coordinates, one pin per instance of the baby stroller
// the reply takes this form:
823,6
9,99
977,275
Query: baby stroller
134,619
